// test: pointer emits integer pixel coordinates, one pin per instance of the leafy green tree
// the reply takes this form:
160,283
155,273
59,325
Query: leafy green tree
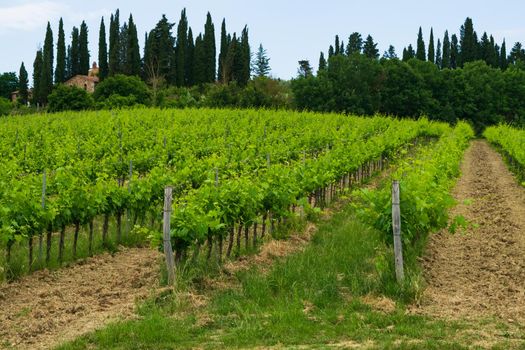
420,51
46,80
305,70
468,43
180,50
355,44
83,50
69,98
102,52
37,77
431,47
133,60
8,83
445,63
74,56
60,71
124,86
454,52
261,63
370,48
322,62
23,85
114,65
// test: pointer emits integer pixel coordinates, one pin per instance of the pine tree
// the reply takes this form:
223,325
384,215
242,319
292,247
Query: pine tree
60,72
190,56
503,56
114,45
439,58
468,43
408,53
486,51
102,52
445,62
133,62
355,44
23,82
305,70
420,52
74,57
261,64
322,62
46,80
83,51
337,46
517,54
370,48
159,52
431,52
390,54
210,51
37,77
224,51
180,50
454,52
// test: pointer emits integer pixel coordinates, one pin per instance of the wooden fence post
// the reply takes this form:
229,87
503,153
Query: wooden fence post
168,251
396,225
43,204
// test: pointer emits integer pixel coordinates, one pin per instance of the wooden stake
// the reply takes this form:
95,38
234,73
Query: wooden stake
168,251
396,225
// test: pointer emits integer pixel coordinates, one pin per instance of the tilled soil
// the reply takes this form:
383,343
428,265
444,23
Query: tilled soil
50,307
479,272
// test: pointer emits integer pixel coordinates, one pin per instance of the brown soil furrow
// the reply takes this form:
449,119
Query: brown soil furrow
49,307
479,272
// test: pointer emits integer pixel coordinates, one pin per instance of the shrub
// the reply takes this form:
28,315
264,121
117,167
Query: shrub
69,98
123,86
5,106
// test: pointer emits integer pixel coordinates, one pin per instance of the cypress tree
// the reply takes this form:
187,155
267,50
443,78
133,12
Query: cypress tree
493,53
355,44
468,43
180,50
408,53
370,48
246,58
114,45
439,59
337,45
37,77
486,50
390,54
454,52
124,67
503,61
159,52
322,62
69,68
223,52
75,46
445,62
102,52
200,61
190,56
420,52
133,50
23,82
83,51
331,52
210,51
46,82
60,72
431,50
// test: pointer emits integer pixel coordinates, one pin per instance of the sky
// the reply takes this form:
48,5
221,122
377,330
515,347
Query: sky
290,30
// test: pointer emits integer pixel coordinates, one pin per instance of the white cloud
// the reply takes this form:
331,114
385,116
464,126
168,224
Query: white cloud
26,17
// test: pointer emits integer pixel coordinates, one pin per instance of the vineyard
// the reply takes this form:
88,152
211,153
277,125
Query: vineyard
102,174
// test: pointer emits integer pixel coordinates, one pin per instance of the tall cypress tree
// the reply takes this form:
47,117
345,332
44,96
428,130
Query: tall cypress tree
431,48
454,52
159,52
370,48
210,51
337,45
420,51
46,82
408,53
355,44
124,67
37,77
132,49
23,82
331,52
246,58
74,57
439,59
180,50
69,69
83,51
503,60
114,44
190,56
445,62
493,59
102,52
223,52
468,43
200,61
322,62
60,72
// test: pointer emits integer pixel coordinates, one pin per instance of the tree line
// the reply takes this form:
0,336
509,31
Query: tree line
459,78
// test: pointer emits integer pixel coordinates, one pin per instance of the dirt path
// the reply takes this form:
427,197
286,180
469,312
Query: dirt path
47,308
480,272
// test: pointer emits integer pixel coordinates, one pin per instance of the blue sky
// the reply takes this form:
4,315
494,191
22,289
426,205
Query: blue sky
290,30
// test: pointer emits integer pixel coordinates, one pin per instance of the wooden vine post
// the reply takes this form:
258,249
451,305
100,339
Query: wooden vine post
396,225
168,250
